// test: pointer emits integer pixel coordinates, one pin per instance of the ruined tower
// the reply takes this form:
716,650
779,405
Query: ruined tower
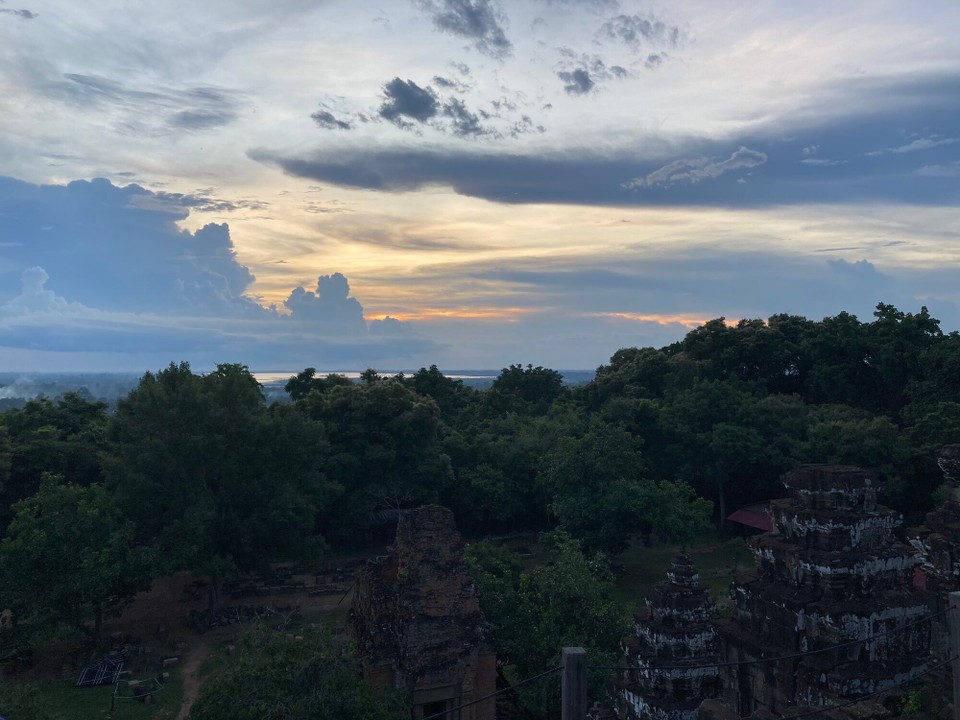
938,539
417,621
830,573
674,631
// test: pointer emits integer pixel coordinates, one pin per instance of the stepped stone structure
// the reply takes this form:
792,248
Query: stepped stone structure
674,631
938,539
417,621
831,572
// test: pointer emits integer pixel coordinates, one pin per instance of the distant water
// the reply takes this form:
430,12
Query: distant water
473,378
269,378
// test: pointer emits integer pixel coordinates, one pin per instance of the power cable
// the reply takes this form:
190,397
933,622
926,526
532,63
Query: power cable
869,695
447,713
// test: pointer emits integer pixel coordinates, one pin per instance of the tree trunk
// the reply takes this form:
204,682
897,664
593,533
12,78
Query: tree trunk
216,585
722,504
98,624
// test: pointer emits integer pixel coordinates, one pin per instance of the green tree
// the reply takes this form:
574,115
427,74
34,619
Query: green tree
69,556
565,602
66,437
215,480
279,676
600,493
524,390
383,450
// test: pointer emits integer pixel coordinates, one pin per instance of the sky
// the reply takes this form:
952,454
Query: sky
344,184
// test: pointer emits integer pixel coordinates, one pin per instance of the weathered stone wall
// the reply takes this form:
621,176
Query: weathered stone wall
832,572
417,620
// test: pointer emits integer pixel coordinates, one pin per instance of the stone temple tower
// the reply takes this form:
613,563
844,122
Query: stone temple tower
674,631
831,573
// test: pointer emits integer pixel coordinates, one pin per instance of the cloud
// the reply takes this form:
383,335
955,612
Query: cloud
23,14
408,100
576,82
405,101
654,60
949,170
155,110
480,21
178,203
326,119
450,84
596,174
580,72
112,246
695,170
90,266
916,145
329,308
465,123
636,31
822,162
34,298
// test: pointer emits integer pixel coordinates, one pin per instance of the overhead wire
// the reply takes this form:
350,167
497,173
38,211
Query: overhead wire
848,703
448,713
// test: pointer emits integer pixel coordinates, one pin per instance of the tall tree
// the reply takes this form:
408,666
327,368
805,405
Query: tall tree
208,472
70,556
566,602
276,676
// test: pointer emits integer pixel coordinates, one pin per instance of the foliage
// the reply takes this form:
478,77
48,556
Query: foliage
215,480
65,437
382,451
564,602
279,676
25,702
69,555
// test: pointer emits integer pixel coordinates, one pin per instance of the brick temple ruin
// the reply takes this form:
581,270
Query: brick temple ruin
938,539
831,573
835,594
675,630
418,623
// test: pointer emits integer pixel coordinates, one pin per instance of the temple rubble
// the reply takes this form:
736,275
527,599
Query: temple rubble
417,621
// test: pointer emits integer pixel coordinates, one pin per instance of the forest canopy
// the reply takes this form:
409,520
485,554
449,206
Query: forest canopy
199,472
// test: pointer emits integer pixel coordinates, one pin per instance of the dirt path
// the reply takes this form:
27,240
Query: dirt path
193,659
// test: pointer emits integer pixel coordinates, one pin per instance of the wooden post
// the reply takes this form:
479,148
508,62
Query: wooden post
573,692
954,618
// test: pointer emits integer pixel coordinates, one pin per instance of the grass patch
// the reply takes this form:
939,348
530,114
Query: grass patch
61,699
641,568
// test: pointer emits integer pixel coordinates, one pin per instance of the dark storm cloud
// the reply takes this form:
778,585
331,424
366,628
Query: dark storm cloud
763,167
576,82
637,31
326,119
481,21
408,100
